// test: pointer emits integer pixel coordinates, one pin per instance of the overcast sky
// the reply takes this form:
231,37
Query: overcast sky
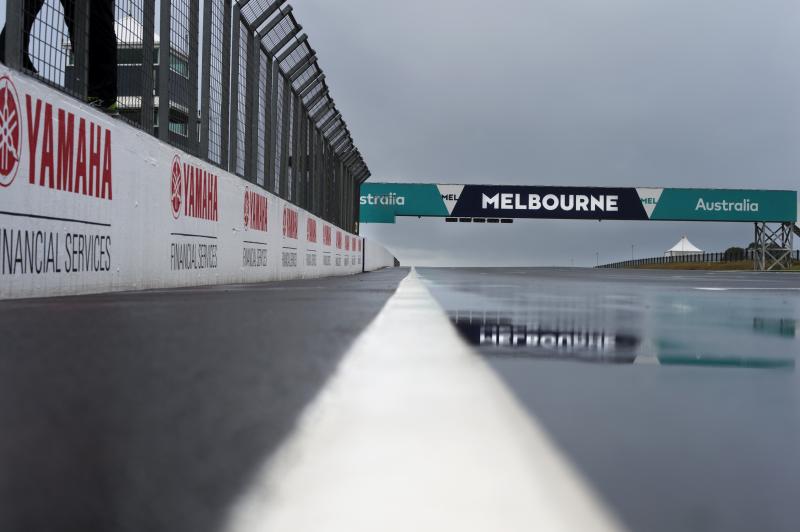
702,93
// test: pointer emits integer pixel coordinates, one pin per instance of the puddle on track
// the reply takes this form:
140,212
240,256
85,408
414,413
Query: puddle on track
620,322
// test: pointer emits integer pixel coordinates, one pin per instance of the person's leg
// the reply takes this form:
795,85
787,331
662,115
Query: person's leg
102,53
31,9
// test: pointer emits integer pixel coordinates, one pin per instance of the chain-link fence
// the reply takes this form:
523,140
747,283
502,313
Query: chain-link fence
234,82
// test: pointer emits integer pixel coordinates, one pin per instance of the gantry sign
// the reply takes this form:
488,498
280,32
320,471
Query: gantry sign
382,202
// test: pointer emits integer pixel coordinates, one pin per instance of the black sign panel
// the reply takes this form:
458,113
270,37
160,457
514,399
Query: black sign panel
592,203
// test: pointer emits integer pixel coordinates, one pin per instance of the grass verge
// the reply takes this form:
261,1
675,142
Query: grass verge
740,265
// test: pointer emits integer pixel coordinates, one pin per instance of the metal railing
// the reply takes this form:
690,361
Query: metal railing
722,257
234,82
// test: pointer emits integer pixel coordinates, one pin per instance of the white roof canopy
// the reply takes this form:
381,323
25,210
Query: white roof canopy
684,246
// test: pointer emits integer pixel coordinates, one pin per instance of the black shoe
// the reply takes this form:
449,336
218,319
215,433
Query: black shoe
110,109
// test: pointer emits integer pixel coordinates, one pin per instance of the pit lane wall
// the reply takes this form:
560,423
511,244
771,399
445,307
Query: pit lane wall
90,204
376,257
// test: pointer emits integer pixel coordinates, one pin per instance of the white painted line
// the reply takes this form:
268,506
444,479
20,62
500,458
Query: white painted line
415,432
722,289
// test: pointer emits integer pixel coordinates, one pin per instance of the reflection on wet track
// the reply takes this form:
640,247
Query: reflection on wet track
687,414
562,316
500,336
503,337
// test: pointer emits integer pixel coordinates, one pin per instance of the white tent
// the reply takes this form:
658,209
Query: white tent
683,247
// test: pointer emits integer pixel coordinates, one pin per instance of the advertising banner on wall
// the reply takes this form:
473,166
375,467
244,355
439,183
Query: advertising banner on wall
90,204
382,202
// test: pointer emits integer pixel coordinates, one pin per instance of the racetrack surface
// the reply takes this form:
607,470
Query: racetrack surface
673,395
150,410
688,420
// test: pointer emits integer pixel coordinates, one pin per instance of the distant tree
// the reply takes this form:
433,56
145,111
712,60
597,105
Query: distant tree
734,253
753,245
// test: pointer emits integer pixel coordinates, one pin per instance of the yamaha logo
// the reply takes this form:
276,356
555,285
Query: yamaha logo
9,132
254,211
246,209
175,187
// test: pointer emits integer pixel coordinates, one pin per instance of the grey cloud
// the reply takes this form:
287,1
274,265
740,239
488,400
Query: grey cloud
618,92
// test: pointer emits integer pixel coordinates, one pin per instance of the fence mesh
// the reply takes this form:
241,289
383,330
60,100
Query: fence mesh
297,55
276,35
339,134
49,30
110,53
308,73
325,116
316,89
254,8
317,106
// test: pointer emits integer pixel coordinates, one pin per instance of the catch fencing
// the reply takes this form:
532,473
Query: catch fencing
722,257
235,83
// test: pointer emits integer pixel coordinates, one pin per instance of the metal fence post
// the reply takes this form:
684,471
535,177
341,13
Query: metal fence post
351,206
226,80
320,173
296,136
330,181
300,155
340,192
312,167
345,195
326,179
147,110
164,51
287,87
317,171
13,30
194,24
251,107
80,49
205,82
269,162
233,131
307,154
274,182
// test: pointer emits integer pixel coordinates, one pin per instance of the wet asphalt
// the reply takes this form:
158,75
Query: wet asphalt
674,394
151,411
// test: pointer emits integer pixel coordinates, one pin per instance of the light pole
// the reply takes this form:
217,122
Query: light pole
632,246
597,253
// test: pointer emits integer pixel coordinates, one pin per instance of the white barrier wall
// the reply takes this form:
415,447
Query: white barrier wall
90,204
376,256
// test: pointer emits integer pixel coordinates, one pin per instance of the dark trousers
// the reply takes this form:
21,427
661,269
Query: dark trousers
102,83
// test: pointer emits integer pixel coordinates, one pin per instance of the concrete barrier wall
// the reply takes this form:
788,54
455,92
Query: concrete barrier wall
90,204
376,256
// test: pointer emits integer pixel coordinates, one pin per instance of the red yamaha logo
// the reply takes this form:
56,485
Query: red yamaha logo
9,132
246,209
175,187
255,210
